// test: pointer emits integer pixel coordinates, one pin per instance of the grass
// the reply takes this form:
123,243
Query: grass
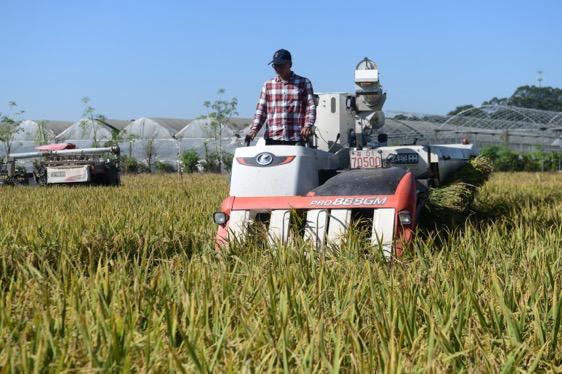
126,279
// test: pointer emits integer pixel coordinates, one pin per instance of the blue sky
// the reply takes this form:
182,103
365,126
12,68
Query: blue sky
165,58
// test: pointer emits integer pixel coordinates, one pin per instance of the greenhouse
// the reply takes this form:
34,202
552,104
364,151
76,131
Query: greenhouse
152,139
87,133
30,134
201,137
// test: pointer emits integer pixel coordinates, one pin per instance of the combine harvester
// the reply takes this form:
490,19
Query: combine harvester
63,164
342,177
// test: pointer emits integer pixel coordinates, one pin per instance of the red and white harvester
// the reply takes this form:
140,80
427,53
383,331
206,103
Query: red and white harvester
342,176
64,164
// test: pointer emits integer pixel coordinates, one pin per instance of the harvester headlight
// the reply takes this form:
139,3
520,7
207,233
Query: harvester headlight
405,217
219,218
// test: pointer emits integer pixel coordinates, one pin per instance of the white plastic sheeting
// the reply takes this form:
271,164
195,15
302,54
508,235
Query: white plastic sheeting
28,137
146,138
85,130
199,136
29,131
167,150
157,149
201,129
147,128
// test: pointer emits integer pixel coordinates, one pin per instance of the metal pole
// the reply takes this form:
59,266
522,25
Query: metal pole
65,152
21,156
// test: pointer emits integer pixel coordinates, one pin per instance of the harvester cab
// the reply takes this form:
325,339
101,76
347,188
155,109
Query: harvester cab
338,179
63,164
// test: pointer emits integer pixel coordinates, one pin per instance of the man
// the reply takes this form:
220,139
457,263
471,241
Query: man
286,105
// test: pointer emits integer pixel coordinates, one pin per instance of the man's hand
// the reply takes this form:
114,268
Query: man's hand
306,132
250,136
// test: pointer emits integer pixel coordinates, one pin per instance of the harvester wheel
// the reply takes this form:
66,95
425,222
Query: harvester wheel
40,175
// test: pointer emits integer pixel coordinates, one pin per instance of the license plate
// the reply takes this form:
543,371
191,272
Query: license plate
365,159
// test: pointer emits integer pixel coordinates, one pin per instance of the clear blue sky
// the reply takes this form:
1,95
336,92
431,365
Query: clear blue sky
165,58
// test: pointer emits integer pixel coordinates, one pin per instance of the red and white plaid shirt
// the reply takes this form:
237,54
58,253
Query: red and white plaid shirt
285,107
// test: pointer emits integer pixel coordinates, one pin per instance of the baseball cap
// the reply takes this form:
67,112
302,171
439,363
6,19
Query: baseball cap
281,56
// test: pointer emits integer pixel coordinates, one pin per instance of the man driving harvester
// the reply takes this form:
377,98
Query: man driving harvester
286,105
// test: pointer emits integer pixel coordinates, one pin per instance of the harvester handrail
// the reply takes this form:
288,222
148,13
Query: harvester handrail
64,152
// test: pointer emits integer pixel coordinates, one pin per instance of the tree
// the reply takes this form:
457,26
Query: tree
544,98
131,139
150,152
459,109
220,114
532,97
43,135
497,101
89,116
9,127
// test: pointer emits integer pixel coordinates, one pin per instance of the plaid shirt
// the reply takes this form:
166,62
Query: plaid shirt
285,107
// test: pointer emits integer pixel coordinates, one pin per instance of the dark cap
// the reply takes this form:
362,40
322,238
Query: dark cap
281,56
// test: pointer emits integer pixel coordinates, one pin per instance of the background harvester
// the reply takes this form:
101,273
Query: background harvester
344,176
63,164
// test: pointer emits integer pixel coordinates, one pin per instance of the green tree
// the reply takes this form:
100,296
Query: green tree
460,109
532,97
10,126
43,135
220,114
89,116
150,152
497,101
544,98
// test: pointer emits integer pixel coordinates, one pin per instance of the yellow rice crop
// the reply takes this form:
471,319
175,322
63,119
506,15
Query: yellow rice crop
123,279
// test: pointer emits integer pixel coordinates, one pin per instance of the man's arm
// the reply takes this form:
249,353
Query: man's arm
261,112
310,116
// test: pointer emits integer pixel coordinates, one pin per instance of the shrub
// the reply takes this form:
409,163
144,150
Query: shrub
189,158
504,159
131,165
164,167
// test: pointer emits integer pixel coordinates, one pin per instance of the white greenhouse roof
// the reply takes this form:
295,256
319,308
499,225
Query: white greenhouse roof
29,131
147,128
200,129
86,129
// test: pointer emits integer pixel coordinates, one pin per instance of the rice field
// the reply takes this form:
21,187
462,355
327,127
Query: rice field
126,279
